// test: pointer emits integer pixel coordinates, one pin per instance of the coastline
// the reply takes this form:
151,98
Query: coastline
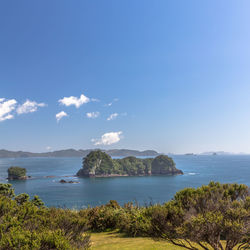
126,175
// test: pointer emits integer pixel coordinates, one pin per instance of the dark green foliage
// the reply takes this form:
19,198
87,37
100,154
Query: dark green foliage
7,190
15,173
163,164
133,166
21,198
98,163
37,201
18,238
28,224
206,216
134,220
103,217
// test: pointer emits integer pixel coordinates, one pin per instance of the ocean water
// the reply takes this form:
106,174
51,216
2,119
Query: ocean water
198,170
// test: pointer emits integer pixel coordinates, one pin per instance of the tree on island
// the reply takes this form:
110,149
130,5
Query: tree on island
17,173
98,163
163,164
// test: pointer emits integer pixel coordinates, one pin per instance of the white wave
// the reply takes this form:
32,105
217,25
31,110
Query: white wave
191,173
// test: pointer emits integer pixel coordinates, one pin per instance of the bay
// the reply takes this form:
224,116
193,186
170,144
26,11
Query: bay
198,170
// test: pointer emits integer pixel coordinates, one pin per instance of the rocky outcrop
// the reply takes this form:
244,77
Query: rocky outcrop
100,164
164,165
64,181
17,173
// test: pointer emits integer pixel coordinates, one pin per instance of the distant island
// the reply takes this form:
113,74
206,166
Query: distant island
100,164
76,153
17,173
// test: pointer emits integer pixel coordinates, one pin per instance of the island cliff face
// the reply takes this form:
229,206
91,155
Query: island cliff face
100,164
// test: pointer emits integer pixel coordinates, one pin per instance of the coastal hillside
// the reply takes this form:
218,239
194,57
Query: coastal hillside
221,211
76,153
100,164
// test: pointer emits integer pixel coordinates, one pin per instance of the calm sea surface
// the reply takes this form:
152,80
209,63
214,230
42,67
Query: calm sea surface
198,170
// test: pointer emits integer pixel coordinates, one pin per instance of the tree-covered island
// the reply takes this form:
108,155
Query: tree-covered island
100,164
17,173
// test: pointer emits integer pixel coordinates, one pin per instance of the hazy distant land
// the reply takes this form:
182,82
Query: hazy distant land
76,153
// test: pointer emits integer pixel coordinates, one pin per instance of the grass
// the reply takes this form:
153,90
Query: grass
113,240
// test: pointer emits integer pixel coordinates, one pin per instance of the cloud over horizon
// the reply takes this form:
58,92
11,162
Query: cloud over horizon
29,107
73,100
60,115
108,138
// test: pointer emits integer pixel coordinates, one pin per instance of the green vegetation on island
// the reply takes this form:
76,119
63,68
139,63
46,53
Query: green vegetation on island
17,173
216,216
98,163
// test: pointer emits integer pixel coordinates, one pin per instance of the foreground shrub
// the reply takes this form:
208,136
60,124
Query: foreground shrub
195,219
28,224
104,217
206,216
17,238
134,220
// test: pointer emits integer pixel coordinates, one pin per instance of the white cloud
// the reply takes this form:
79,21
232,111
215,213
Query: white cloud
48,148
6,107
108,138
93,114
60,115
112,117
29,107
72,100
111,103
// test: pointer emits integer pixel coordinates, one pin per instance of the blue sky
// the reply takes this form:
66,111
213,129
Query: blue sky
176,73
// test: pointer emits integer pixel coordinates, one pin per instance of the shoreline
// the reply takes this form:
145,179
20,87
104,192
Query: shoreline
126,175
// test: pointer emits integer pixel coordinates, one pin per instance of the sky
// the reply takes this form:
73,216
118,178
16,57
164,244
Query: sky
173,76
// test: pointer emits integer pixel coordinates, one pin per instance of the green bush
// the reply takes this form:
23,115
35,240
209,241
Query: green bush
104,217
28,224
134,221
7,190
206,216
17,238
220,211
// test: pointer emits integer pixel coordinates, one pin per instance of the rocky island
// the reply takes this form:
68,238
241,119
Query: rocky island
100,164
17,173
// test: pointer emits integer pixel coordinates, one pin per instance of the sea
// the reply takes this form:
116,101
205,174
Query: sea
144,190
